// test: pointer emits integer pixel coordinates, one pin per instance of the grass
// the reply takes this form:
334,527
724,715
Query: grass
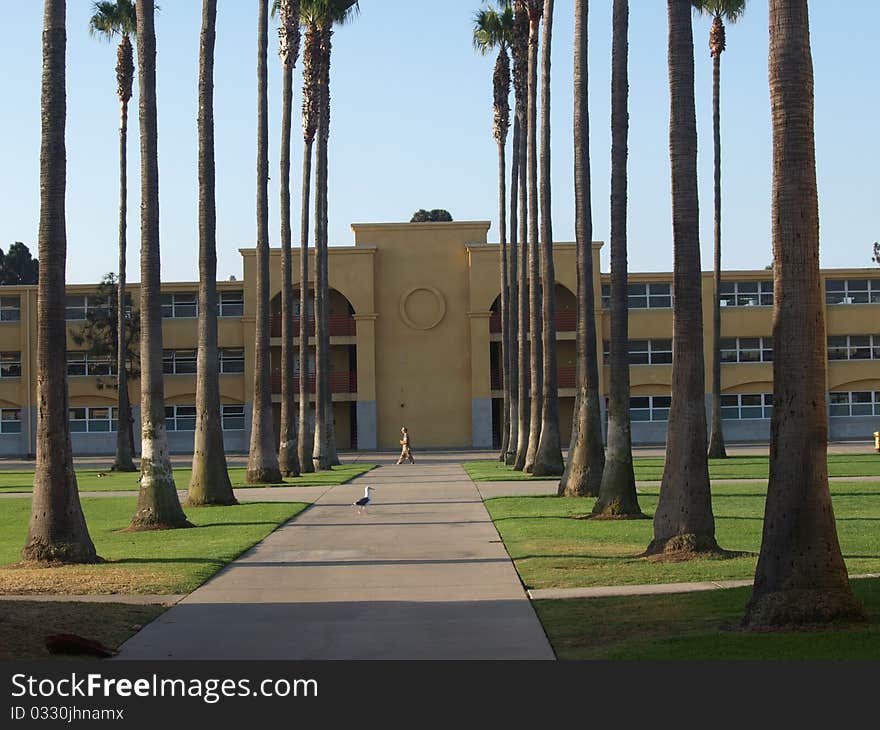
88,480
698,626
734,467
550,549
25,624
163,562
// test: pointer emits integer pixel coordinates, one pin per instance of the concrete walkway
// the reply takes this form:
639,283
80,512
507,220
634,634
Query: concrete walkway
421,575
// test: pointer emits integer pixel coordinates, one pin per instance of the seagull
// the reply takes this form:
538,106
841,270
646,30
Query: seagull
363,501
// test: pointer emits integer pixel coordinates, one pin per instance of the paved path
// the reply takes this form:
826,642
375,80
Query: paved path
421,575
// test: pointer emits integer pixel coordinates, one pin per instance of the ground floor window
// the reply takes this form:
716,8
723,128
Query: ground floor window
233,417
745,406
10,420
855,403
183,418
99,419
650,408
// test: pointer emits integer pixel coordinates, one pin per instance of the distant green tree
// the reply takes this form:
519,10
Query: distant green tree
99,335
17,266
877,252
437,215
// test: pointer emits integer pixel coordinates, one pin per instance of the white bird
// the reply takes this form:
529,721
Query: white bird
363,501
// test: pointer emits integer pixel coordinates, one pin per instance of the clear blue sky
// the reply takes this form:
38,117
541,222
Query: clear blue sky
412,129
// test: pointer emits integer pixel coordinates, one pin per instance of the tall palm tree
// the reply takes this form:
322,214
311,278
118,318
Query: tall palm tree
57,530
586,455
111,19
493,28
209,483
534,9
288,48
683,521
520,53
801,576
158,506
513,302
731,11
548,456
617,492
262,465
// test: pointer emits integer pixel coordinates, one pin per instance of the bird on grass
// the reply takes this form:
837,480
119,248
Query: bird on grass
362,503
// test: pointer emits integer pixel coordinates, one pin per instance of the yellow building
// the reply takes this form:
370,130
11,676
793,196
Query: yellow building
415,341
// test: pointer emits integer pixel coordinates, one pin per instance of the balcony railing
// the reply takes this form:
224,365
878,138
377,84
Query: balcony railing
341,325
565,378
340,382
566,321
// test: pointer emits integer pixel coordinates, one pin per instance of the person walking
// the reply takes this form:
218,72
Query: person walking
405,453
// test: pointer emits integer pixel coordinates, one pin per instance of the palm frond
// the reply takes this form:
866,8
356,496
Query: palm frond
729,11
110,19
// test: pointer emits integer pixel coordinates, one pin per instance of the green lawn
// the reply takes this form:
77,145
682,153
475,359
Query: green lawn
89,481
698,626
734,467
550,549
167,561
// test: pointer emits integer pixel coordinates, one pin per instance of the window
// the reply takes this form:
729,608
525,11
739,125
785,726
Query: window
85,363
180,305
179,362
746,294
10,364
98,419
180,418
642,296
860,403
231,361
10,309
311,362
650,408
852,291
10,420
79,306
854,347
746,349
746,406
230,304
644,352
233,417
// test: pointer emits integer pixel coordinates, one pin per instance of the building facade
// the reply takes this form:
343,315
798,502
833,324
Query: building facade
415,340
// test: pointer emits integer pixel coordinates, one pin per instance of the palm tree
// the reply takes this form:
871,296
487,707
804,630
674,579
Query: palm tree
57,530
111,19
263,459
548,456
520,52
513,302
534,9
209,483
586,455
617,492
158,506
289,39
731,11
800,577
683,521
493,28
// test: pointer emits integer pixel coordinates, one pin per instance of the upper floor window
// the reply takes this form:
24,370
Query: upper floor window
86,363
10,420
860,403
644,352
852,291
746,294
642,296
179,362
746,349
746,406
231,360
10,364
230,304
79,306
10,309
180,305
854,347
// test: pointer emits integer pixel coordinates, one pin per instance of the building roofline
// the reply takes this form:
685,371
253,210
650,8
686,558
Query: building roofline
408,226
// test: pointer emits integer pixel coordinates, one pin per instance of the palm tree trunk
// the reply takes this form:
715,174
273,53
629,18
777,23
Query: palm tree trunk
123,460
716,435
683,521
548,456
505,300
617,492
801,576
57,530
288,459
586,456
306,443
536,355
158,506
513,305
209,483
263,460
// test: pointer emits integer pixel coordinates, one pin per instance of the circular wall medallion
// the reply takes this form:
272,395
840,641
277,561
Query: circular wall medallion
422,308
